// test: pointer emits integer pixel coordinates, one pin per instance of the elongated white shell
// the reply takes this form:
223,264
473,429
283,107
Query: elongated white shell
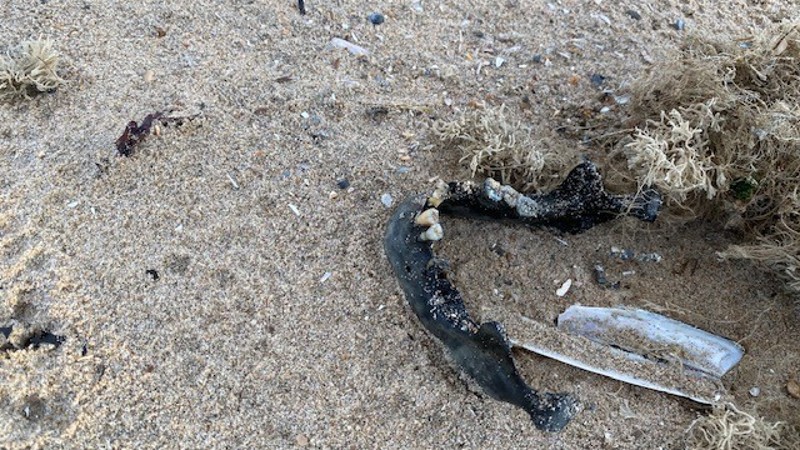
606,360
649,334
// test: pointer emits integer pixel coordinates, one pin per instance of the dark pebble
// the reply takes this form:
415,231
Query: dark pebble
600,275
597,79
633,14
376,18
343,183
679,25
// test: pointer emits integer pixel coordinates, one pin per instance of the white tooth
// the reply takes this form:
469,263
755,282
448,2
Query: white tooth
428,217
439,194
510,196
491,189
434,233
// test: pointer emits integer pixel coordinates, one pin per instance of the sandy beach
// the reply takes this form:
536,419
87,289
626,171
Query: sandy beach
225,287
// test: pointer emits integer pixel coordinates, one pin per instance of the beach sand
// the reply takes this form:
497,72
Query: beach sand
244,340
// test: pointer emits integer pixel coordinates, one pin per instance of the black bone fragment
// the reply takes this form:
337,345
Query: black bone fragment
482,351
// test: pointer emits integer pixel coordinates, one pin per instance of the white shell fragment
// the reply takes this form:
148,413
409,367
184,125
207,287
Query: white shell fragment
653,336
434,233
427,218
562,291
349,46
387,200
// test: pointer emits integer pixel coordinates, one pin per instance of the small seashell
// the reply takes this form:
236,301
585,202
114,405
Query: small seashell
434,233
427,218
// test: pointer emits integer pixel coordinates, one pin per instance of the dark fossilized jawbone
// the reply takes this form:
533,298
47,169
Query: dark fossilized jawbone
482,351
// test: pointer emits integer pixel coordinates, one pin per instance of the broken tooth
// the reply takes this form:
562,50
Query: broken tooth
434,233
510,196
492,189
440,193
428,217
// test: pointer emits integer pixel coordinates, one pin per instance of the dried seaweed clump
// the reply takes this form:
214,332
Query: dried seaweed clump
719,134
493,144
729,428
29,69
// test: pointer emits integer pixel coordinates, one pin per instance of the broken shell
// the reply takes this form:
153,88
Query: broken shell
428,217
434,233
562,291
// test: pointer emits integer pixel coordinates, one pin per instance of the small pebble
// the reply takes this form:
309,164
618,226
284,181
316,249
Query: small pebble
600,275
149,76
376,18
755,391
633,14
597,79
387,200
679,25
343,183
793,387
537,58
